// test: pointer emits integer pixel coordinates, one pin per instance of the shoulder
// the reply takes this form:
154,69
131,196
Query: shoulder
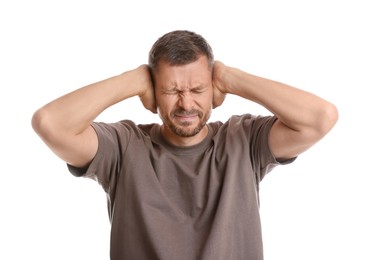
243,121
124,125
123,128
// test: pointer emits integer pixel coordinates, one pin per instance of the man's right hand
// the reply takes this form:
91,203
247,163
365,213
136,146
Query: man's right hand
147,92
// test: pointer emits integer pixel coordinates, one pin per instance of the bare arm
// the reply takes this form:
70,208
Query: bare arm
65,123
303,118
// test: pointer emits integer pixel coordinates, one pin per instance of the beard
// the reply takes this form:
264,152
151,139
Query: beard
183,129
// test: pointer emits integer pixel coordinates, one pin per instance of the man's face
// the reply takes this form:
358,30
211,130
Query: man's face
184,97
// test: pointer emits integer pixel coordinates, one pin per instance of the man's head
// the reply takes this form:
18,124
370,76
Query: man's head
181,66
179,47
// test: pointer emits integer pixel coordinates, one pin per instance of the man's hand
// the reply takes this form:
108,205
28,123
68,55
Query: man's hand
147,93
219,86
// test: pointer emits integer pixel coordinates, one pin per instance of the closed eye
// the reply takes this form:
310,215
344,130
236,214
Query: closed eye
171,92
175,91
198,90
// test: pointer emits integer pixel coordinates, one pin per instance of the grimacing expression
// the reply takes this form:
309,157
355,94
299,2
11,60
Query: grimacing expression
184,96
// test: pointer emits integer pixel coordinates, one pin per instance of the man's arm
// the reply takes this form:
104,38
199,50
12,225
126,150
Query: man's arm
303,118
65,123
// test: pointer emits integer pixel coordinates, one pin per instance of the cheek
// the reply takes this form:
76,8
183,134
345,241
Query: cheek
207,101
164,105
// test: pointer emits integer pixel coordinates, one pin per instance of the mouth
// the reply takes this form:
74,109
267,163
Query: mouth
186,117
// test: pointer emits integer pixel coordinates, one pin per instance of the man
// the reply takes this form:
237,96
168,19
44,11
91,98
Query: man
186,189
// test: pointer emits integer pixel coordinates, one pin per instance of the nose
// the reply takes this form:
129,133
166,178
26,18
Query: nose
185,101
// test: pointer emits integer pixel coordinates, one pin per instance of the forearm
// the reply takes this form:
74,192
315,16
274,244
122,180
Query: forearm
73,112
296,108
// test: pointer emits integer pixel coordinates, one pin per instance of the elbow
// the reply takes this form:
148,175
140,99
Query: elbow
36,121
39,123
329,117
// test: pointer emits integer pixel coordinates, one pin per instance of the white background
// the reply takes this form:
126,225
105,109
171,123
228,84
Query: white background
316,208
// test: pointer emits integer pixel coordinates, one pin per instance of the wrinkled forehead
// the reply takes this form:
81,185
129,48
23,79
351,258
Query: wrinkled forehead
186,75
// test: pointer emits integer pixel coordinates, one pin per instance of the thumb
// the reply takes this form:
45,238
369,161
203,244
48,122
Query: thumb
148,100
218,97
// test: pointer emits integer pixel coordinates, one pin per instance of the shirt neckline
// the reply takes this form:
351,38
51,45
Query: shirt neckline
184,150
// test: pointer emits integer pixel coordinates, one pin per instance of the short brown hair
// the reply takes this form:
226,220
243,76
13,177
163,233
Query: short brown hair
179,47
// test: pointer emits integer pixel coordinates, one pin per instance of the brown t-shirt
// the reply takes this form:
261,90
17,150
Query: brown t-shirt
183,203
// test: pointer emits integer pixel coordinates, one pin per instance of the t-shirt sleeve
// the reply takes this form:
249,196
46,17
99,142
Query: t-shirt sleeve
258,129
105,166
